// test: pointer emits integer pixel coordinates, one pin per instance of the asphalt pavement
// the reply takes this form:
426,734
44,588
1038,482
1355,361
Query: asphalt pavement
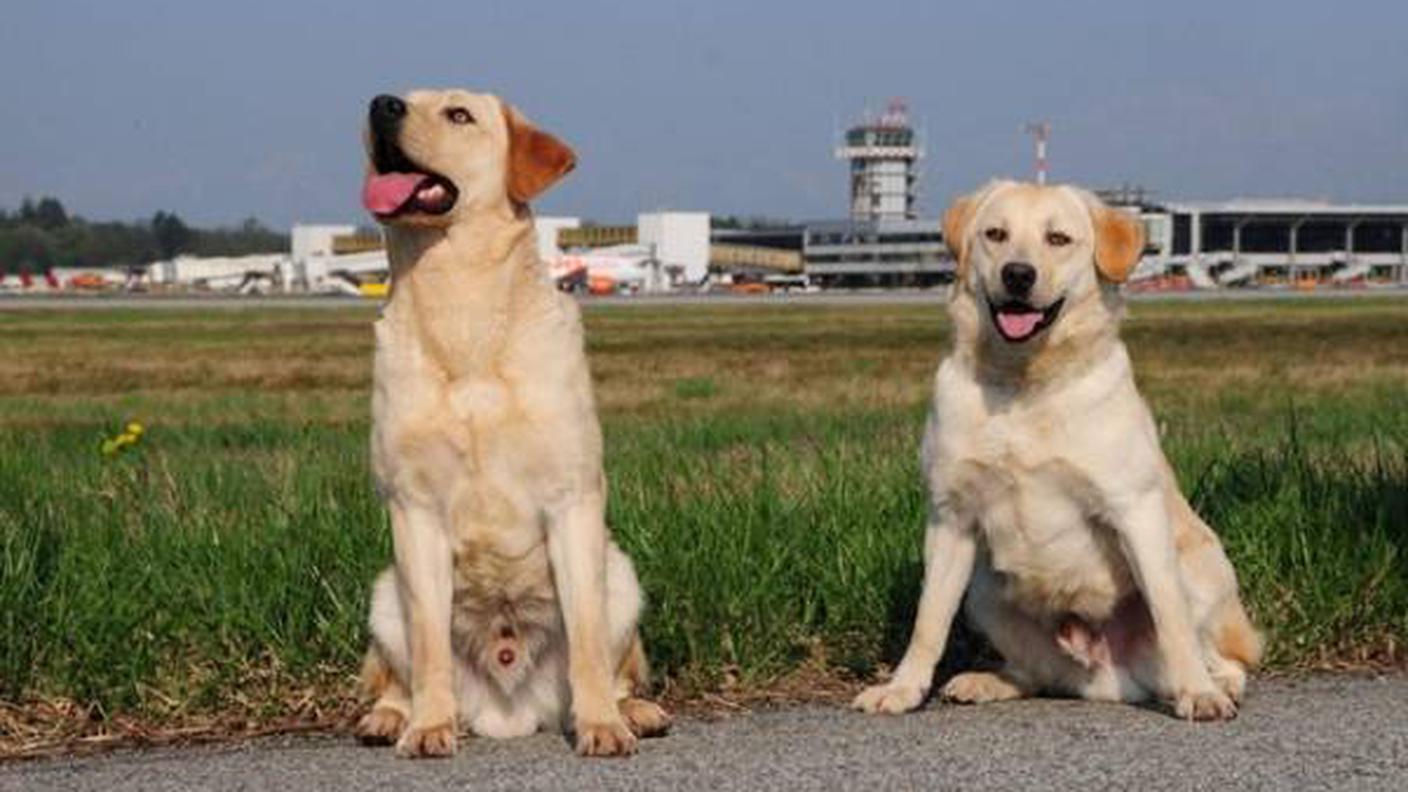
1320,732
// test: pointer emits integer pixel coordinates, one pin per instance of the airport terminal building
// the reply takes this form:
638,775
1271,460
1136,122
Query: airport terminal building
890,252
856,253
1273,242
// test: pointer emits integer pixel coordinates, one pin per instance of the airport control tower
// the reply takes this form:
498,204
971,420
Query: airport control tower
884,154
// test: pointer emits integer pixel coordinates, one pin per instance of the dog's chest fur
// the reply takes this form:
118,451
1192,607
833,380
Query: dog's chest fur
467,442
474,413
1029,475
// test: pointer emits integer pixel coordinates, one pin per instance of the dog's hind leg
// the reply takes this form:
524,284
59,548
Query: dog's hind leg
382,679
644,718
1231,648
1229,675
982,687
391,711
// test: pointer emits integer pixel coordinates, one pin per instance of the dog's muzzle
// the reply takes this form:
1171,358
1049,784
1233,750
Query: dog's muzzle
396,185
1018,320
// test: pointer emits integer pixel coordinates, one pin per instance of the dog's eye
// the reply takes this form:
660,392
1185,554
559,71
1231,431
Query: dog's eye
459,115
1057,239
996,234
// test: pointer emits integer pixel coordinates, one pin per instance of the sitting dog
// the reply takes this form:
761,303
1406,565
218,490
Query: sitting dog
508,606
1050,501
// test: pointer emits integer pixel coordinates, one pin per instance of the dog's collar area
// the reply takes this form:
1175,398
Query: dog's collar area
1017,321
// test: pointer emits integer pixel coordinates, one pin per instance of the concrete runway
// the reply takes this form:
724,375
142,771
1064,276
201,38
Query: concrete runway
892,297
1322,732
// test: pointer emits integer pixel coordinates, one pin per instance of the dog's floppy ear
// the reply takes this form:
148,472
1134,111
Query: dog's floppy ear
959,216
1119,241
535,159
956,219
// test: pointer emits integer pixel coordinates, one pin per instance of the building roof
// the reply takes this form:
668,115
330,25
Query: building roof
1285,206
880,224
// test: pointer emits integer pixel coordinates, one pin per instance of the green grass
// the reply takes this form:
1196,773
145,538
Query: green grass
695,388
764,477
183,566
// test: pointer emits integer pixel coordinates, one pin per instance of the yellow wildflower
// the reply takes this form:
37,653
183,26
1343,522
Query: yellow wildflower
130,436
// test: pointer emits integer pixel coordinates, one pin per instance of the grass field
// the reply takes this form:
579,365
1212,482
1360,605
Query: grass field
764,476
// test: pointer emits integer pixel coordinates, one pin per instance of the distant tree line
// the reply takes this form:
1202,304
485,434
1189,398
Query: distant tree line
42,234
749,222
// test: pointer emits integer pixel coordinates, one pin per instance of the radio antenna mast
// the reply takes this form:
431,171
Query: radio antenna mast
1040,132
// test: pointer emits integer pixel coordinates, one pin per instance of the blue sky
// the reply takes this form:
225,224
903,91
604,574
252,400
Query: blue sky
225,110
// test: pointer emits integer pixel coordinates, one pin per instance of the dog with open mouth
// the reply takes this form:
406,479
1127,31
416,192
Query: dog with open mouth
1053,512
508,609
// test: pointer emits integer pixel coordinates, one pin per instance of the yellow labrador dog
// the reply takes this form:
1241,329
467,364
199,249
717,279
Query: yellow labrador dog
508,608
1050,501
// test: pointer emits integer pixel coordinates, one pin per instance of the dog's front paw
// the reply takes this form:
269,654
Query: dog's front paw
891,698
605,739
427,741
381,726
1208,705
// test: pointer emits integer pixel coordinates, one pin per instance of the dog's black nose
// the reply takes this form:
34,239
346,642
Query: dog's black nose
1018,277
387,108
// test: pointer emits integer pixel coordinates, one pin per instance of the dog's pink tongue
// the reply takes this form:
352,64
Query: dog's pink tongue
1018,325
384,193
